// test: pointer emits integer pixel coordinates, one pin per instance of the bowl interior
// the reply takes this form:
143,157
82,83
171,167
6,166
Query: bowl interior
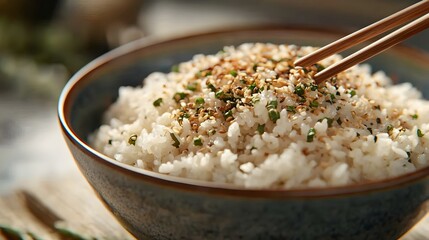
90,92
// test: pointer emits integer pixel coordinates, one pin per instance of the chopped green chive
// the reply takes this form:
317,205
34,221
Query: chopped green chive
332,97
319,67
198,142
228,114
252,86
261,128
212,88
313,87
132,140
185,115
233,73
272,104
352,93
219,94
176,141
157,102
389,128
419,133
223,96
291,109
255,67
415,116
261,89
199,101
299,90
274,115
175,68
179,96
192,86
310,135
314,104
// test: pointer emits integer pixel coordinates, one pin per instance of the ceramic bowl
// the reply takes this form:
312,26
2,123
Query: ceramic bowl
155,206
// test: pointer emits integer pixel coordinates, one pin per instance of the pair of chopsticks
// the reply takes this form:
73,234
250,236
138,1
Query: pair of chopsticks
419,10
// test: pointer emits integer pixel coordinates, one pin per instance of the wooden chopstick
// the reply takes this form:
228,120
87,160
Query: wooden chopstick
373,49
366,33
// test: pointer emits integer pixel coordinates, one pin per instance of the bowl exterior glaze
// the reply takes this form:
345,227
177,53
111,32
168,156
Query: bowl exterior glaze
151,206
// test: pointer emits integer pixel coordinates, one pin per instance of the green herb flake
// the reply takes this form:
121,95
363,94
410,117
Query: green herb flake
192,87
176,143
233,73
198,142
352,93
212,88
199,101
252,86
274,115
132,140
419,133
219,94
175,68
310,135
299,90
185,115
389,127
313,87
314,104
332,97
157,102
261,128
228,114
179,96
319,67
415,116
272,104
291,109
261,89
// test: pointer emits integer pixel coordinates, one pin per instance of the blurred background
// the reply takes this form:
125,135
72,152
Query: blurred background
43,43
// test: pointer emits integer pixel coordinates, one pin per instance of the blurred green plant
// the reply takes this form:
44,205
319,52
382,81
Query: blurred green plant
36,60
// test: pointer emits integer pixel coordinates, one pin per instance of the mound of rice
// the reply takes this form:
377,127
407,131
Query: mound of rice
248,117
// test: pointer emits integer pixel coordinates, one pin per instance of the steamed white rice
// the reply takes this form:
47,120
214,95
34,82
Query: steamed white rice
248,117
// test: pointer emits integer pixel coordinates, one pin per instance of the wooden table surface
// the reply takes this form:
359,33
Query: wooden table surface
68,208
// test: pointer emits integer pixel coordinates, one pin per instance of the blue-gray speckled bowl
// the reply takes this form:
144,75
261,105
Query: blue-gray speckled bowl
155,206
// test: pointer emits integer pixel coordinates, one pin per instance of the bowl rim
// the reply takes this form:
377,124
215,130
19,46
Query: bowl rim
206,186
